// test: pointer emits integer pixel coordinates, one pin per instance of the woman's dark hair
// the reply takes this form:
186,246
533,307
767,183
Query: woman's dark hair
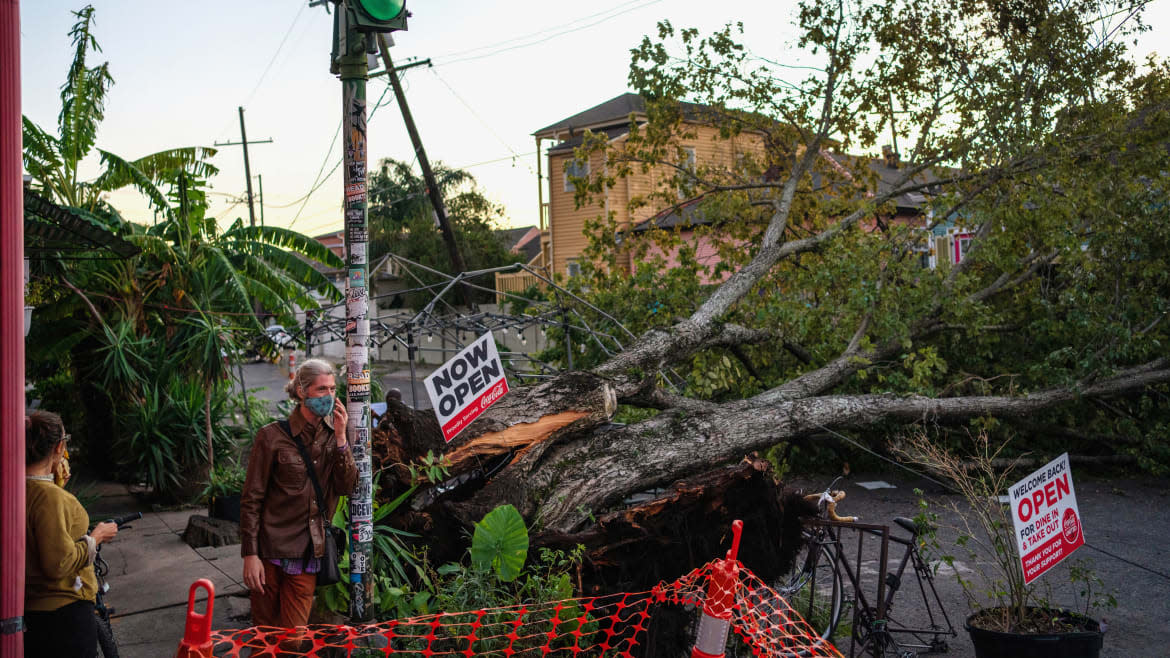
43,430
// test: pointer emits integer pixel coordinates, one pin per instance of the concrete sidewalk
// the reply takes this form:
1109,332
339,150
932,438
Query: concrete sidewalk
151,571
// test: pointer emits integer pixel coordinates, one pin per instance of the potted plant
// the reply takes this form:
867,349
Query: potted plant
223,492
1009,617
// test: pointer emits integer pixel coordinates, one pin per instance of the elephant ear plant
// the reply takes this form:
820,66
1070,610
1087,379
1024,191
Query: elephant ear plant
999,598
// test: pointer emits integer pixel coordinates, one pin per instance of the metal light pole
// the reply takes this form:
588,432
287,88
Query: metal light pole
354,70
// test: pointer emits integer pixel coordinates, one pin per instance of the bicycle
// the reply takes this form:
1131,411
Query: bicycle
816,589
105,632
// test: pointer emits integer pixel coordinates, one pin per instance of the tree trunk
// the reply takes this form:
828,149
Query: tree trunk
566,465
98,425
207,426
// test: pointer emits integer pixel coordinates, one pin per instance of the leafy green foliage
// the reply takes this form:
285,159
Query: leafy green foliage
156,332
225,480
1056,171
161,438
500,543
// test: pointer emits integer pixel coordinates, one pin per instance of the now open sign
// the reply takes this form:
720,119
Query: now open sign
467,385
1045,517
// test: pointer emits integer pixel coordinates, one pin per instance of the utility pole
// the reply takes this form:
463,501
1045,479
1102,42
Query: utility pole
247,166
433,191
260,177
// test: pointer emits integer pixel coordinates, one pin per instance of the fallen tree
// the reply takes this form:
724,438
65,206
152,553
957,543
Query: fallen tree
833,323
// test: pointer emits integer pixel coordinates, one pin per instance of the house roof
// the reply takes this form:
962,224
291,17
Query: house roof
612,132
613,110
524,240
686,213
611,117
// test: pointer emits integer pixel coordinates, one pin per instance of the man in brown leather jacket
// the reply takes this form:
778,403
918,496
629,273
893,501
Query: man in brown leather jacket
282,533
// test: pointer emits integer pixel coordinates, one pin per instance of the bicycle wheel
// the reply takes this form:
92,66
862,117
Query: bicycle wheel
814,591
105,636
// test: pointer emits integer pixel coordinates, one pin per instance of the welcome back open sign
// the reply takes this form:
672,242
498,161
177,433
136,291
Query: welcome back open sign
467,385
1045,516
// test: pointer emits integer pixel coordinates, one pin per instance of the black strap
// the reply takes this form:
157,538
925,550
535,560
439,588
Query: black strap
284,425
325,522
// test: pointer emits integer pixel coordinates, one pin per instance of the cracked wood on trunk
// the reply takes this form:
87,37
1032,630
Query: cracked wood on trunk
526,420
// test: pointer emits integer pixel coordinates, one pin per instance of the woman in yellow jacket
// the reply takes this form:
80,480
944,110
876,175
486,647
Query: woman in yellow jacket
60,586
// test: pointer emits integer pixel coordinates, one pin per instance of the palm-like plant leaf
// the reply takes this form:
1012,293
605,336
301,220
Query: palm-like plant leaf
283,289
303,273
162,165
120,169
40,149
235,286
83,96
287,239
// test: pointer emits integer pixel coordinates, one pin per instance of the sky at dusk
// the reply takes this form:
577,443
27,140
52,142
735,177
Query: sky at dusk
502,70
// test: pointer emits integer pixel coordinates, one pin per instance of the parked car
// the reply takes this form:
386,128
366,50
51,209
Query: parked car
281,338
267,346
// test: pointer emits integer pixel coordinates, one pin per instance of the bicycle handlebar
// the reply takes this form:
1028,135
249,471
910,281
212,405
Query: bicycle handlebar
827,503
123,520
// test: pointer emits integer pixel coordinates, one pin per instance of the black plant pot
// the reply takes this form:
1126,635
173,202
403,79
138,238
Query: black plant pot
1076,644
225,507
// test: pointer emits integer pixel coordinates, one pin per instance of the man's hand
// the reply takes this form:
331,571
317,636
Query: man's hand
104,532
254,573
340,418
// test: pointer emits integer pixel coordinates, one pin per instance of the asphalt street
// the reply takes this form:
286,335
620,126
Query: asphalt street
1127,517
271,378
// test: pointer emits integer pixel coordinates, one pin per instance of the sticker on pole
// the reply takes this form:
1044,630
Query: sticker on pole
467,385
1045,516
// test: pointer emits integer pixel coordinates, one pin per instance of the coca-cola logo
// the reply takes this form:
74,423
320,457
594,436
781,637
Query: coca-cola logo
491,396
1071,526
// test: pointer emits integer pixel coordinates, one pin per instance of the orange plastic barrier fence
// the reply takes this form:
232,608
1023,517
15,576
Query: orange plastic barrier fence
610,625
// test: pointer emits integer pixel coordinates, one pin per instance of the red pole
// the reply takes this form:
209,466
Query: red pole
11,338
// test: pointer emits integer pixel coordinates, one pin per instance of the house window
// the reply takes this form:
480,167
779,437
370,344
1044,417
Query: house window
573,268
574,169
961,244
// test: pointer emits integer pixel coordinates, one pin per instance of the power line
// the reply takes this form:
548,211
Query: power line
269,66
317,185
271,61
479,118
543,34
503,159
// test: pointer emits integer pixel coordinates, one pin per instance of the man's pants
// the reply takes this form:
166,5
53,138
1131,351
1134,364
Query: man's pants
285,601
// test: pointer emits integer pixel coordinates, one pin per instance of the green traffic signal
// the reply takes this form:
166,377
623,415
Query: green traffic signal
378,15
382,10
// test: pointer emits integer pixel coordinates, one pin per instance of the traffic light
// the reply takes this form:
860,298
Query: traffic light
379,15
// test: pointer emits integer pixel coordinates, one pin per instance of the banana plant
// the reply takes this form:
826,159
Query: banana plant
183,305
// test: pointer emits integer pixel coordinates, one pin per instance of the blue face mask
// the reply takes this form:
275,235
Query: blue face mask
321,406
